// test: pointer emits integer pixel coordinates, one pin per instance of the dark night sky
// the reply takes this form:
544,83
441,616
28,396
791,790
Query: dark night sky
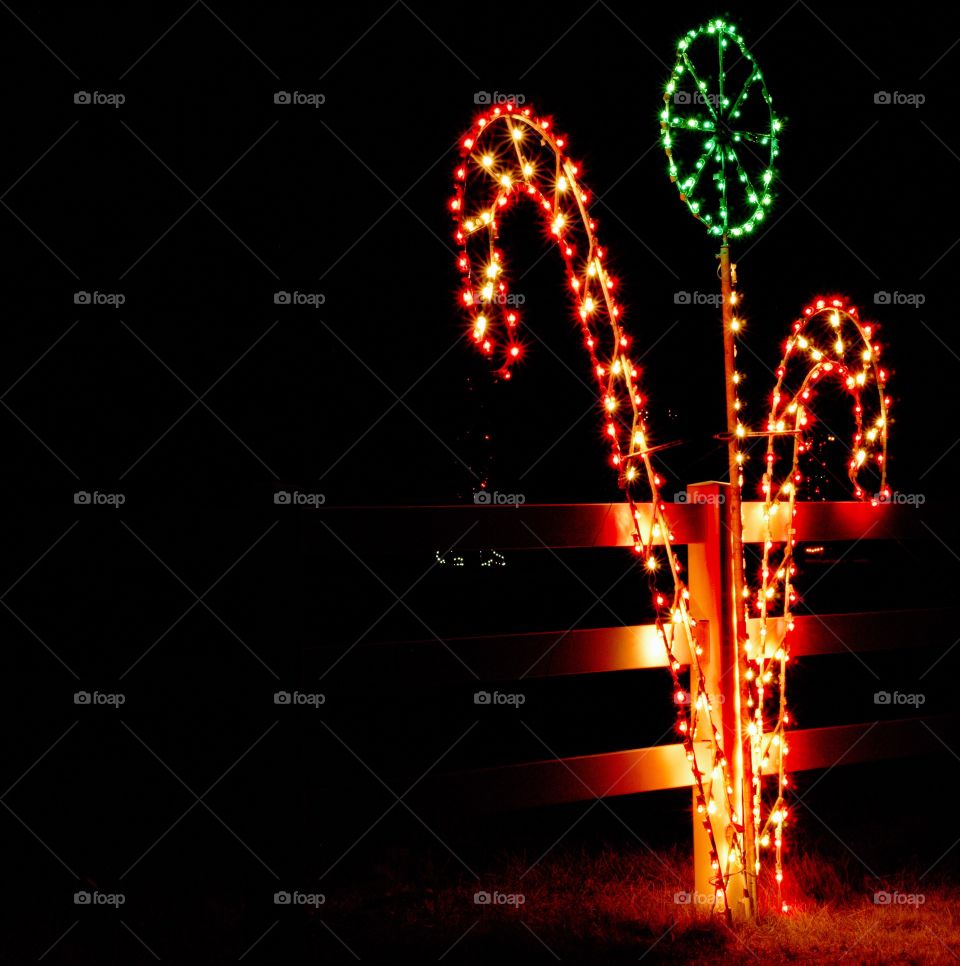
198,199
864,205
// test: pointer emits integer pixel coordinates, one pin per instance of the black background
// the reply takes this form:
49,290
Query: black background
199,398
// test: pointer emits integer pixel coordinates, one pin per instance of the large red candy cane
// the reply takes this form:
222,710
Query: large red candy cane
510,154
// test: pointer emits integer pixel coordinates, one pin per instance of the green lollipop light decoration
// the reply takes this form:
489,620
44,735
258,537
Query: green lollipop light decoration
705,125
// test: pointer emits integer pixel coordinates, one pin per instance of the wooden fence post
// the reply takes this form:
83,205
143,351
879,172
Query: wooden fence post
709,573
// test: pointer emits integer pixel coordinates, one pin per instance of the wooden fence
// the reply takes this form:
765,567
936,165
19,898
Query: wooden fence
698,524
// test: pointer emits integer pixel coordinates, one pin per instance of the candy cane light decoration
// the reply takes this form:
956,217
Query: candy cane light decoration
513,154
828,343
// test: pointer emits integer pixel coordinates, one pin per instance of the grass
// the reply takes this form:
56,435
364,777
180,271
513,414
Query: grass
606,905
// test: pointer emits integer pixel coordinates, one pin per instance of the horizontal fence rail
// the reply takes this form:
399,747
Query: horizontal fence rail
664,767
637,647
568,526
